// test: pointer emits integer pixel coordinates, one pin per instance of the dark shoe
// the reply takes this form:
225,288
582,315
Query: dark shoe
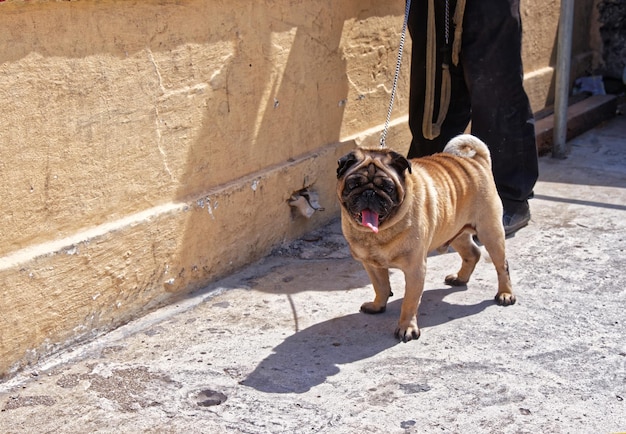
515,218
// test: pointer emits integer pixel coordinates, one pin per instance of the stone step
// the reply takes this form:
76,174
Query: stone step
581,116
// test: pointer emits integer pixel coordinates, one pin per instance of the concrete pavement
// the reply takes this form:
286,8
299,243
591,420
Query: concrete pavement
281,346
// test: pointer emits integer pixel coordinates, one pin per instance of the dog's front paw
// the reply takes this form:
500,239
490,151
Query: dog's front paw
505,299
372,308
408,333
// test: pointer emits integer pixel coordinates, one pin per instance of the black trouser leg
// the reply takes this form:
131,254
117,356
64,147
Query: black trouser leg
488,85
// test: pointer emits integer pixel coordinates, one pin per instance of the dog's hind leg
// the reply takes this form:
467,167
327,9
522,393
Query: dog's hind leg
492,237
470,254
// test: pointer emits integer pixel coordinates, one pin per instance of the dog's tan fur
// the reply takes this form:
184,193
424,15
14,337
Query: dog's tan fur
441,200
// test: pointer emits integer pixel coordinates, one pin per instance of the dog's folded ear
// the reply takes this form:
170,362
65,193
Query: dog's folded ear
345,162
399,163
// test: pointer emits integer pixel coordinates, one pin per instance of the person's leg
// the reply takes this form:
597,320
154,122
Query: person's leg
458,115
501,113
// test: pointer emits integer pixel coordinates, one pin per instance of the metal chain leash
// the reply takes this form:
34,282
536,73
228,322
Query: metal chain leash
383,136
447,22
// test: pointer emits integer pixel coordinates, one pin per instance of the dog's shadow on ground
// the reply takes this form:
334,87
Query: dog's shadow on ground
310,356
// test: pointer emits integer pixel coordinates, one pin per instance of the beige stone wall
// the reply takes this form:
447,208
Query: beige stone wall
540,22
147,148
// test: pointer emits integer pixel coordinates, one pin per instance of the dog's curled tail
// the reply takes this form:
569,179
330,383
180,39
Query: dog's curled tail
468,146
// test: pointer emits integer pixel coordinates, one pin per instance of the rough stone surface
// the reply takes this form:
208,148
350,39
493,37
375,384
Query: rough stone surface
581,116
281,347
110,108
612,18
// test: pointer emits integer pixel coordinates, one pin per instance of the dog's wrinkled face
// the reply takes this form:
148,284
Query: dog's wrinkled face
371,185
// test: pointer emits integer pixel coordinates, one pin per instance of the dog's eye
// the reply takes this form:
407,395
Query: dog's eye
388,187
355,182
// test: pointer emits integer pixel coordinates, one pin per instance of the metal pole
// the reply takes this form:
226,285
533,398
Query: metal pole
563,62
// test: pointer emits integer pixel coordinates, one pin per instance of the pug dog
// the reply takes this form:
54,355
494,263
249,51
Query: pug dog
395,211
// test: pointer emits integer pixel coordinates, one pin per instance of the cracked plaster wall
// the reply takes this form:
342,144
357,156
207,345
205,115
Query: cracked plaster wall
150,147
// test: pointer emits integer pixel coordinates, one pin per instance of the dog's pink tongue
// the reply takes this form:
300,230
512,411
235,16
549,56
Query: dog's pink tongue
370,219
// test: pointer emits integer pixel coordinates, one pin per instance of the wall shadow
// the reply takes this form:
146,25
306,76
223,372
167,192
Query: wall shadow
580,202
262,116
